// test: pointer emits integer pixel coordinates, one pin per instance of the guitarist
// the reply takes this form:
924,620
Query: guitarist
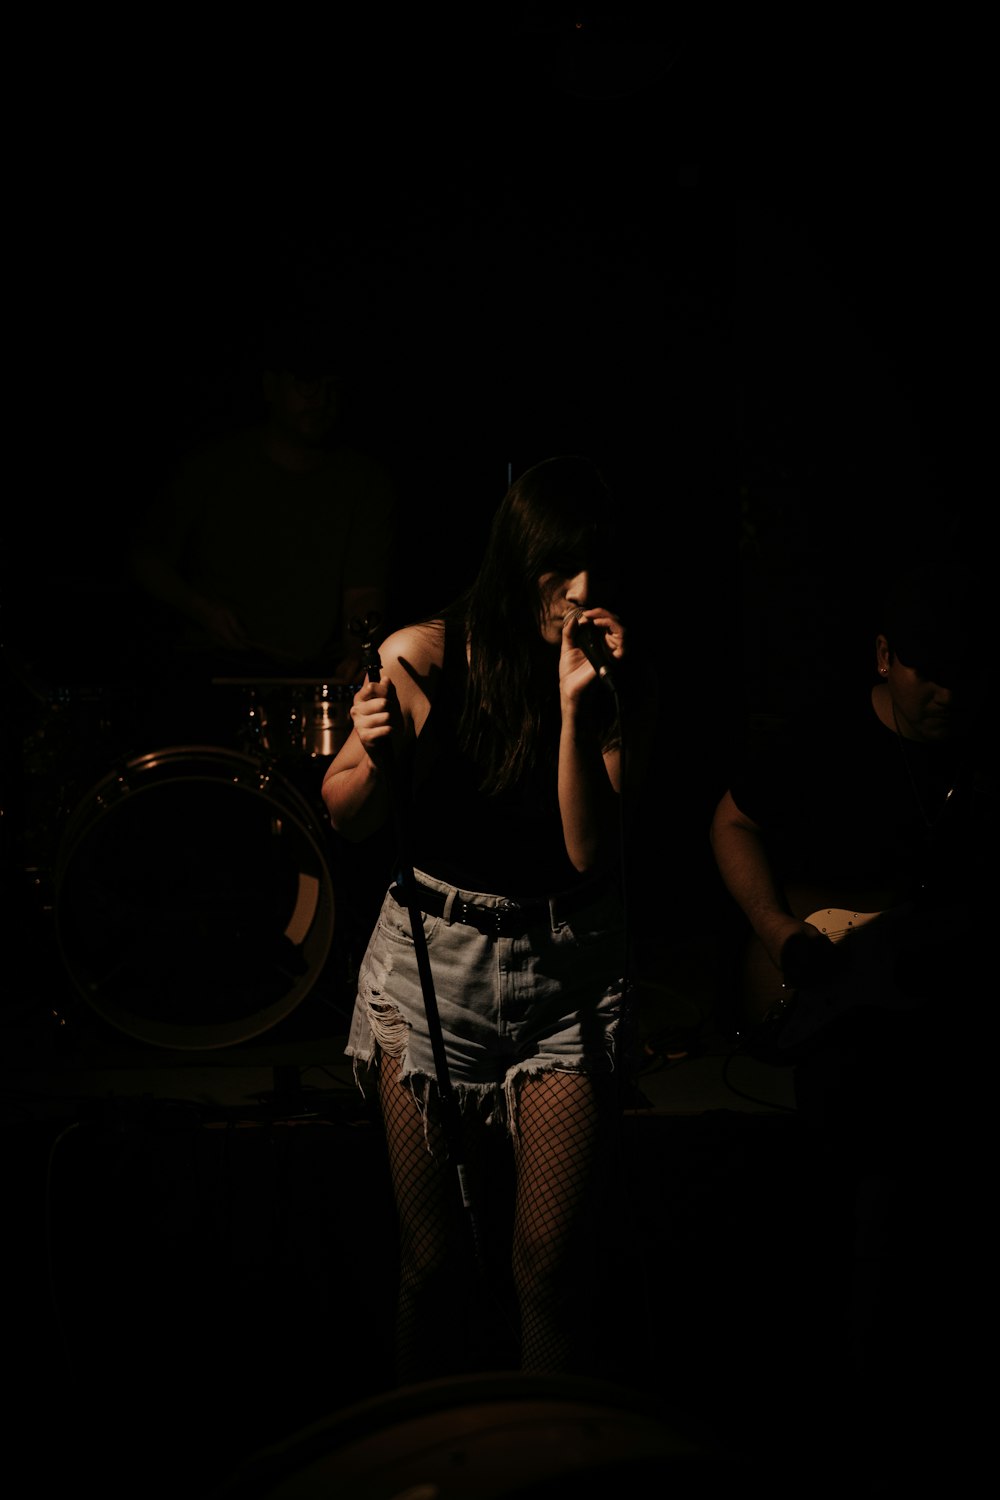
879,798
882,806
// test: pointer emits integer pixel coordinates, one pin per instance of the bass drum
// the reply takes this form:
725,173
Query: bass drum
192,901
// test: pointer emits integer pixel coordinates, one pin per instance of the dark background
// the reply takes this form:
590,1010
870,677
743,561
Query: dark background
740,264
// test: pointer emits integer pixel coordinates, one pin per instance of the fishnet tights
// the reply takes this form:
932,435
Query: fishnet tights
561,1157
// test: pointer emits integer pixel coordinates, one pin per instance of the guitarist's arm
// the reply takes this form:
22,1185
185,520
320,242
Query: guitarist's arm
740,851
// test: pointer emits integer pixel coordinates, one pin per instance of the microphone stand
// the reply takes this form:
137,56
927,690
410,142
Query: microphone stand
406,883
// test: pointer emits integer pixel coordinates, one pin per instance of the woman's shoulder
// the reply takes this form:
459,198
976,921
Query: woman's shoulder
412,659
417,647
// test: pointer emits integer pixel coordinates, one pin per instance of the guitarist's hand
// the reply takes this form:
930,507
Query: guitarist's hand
796,948
773,929
807,957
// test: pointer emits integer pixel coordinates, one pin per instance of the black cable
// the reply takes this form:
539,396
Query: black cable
406,884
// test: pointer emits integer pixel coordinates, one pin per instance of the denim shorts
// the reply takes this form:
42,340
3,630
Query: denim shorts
552,997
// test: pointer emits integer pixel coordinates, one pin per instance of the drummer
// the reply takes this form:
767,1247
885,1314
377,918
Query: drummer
264,543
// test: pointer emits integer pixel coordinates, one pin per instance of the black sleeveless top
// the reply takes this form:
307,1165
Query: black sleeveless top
505,843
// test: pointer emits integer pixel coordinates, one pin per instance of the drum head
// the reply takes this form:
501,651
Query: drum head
193,904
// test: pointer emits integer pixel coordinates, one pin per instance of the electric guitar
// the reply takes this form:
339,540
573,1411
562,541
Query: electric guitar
885,953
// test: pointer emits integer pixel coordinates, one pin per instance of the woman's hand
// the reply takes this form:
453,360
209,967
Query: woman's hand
592,641
373,712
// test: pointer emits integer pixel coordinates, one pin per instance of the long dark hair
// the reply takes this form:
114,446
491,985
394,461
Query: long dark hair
558,516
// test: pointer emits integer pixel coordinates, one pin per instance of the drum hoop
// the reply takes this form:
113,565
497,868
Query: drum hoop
311,923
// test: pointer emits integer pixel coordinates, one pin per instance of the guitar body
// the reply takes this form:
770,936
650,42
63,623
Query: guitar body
836,913
779,1019
897,958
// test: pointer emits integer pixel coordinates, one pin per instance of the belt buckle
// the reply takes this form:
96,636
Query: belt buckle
504,909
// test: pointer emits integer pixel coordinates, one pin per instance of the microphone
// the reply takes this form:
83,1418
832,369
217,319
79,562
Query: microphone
591,643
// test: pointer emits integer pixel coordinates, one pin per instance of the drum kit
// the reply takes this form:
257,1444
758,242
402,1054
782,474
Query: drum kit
189,885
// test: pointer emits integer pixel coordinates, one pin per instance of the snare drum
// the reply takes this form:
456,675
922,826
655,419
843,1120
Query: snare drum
292,718
193,903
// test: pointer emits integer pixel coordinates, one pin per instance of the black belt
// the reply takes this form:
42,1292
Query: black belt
511,918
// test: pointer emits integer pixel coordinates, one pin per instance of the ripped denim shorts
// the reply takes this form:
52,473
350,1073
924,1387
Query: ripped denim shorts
513,998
